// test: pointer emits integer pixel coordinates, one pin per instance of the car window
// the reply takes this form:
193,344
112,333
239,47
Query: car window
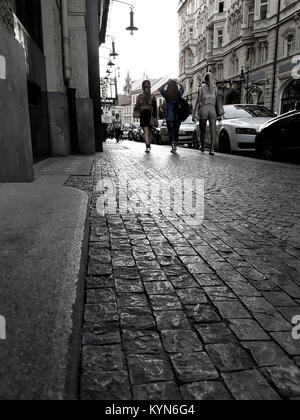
244,111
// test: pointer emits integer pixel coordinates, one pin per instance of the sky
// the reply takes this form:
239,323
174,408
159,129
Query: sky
153,49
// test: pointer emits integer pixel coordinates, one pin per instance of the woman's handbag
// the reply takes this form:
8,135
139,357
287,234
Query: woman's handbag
154,122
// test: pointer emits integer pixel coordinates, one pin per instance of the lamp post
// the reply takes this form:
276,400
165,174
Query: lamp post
131,26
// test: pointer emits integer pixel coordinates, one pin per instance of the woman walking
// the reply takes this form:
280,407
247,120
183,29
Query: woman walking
146,110
208,107
172,93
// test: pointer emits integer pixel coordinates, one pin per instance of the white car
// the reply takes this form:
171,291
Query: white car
187,133
238,128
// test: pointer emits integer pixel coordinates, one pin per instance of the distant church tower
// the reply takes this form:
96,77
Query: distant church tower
127,87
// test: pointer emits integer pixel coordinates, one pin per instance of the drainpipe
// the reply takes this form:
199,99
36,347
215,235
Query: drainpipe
276,55
66,41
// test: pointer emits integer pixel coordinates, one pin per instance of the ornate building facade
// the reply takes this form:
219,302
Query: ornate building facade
252,47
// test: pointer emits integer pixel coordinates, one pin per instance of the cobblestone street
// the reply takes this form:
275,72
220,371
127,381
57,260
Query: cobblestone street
180,308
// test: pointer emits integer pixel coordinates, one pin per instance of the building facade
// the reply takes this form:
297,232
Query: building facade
50,101
252,47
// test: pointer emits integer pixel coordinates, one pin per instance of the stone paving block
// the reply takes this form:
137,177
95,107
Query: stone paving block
144,369
215,333
273,322
159,288
165,302
165,251
148,265
199,268
185,251
95,296
258,305
286,379
101,312
172,320
219,293
193,367
232,309
266,353
142,342
132,300
175,271
184,281
289,312
160,391
100,282
181,341
96,269
243,289
207,280
105,386
201,314
250,385
100,255
104,358
101,338
126,273
153,276
191,296
129,286
205,391
286,341
137,319
248,330
229,357
279,299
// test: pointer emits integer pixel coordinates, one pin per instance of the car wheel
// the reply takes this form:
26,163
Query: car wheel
266,149
224,143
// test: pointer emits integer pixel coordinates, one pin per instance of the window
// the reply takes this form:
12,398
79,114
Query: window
221,6
191,32
251,17
289,45
263,9
220,38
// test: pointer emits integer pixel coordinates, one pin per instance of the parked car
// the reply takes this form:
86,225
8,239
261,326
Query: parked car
278,135
126,129
133,132
187,133
238,128
156,132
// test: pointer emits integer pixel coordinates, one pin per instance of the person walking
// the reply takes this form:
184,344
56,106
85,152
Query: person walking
118,128
208,107
146,109
172,93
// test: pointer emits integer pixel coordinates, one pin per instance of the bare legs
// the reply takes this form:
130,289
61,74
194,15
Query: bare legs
213,131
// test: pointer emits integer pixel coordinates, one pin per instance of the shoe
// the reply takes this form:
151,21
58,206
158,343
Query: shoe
212,153
202,149
148,149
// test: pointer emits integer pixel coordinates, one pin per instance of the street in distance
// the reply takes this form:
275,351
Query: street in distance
155,410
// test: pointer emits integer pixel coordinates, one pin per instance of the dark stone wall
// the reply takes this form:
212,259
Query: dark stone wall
6,15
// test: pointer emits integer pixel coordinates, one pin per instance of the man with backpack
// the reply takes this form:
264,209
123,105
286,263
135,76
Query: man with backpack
175,112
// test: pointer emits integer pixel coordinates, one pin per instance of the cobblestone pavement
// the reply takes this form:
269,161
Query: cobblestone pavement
183,308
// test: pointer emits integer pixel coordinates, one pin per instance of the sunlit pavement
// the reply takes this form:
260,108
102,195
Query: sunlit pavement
184,308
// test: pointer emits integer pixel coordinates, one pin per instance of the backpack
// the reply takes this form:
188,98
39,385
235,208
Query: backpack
182,109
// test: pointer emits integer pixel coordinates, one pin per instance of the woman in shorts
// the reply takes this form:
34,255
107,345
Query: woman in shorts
206,110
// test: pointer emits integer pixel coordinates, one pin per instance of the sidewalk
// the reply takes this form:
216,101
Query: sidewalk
43,246
184,308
